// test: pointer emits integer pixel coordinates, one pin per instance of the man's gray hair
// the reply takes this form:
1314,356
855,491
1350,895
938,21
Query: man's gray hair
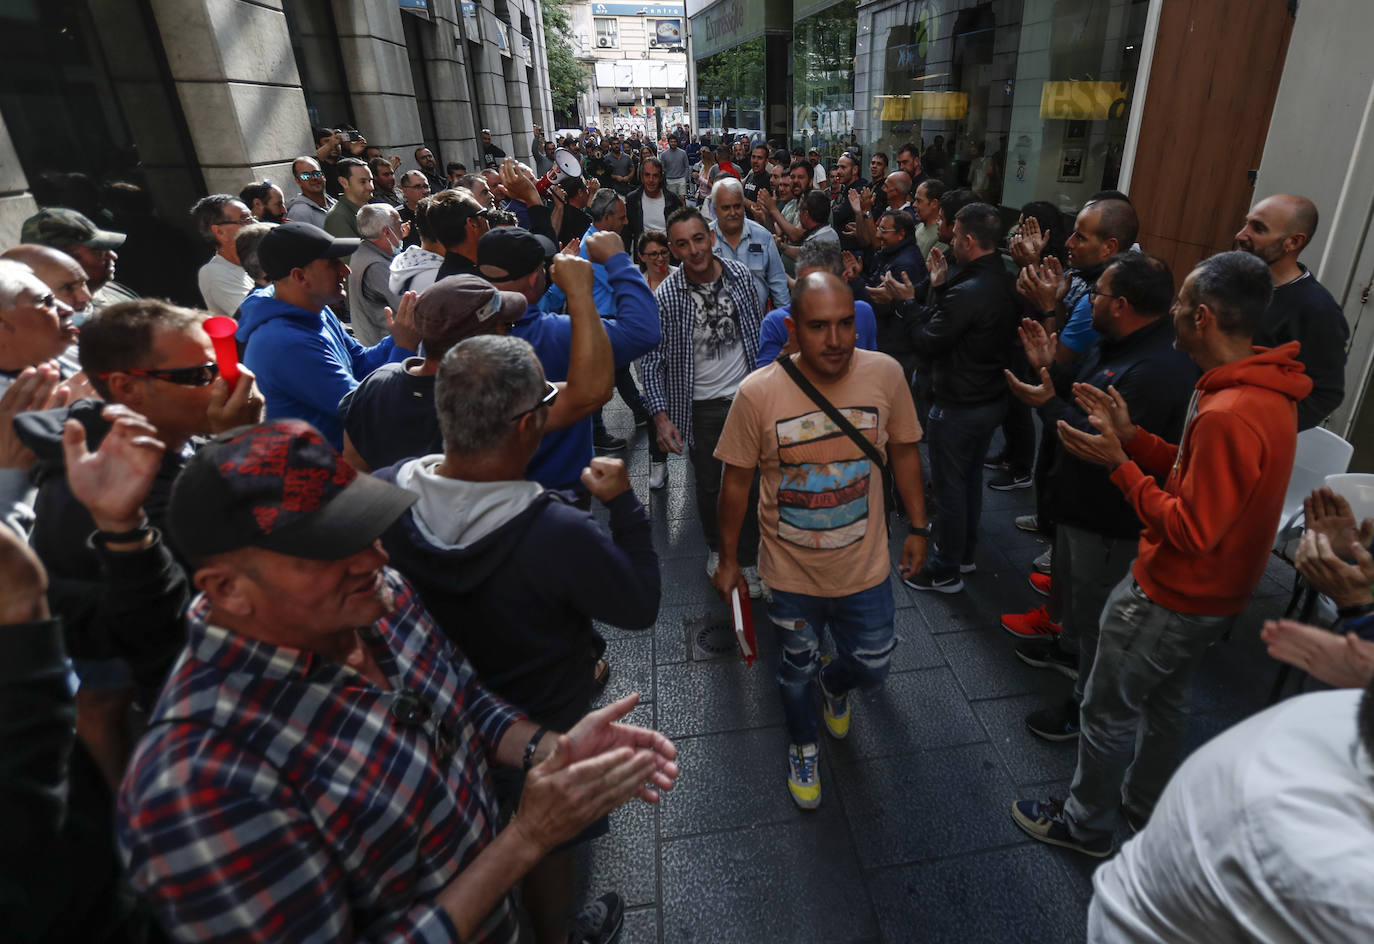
482,383
1237,287
374,219
409,174
14,279
603,204
821,254
729,183
246,246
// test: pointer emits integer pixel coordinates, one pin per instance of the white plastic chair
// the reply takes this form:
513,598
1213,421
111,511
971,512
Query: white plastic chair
1320,453
1356,488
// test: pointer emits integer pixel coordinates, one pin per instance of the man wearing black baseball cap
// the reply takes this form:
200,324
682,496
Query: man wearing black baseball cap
514,261
316,765
304,360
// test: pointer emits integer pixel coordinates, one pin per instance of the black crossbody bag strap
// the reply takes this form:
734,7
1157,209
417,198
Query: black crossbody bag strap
832,411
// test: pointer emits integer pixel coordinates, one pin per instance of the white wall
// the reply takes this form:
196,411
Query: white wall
1321,145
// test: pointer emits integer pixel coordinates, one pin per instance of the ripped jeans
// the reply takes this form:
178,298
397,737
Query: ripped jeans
861,625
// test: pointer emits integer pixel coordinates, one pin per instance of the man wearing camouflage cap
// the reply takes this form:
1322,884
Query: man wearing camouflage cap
92,247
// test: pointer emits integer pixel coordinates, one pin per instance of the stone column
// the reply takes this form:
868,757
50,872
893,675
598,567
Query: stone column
446,67
16,203
377,63
240,92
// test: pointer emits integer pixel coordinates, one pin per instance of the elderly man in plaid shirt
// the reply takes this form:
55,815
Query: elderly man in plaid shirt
710,315
317,766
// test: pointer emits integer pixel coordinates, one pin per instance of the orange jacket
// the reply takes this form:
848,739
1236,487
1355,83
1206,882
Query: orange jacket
1209,529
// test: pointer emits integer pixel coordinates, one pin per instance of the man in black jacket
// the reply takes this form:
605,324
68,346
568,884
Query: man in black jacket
968,331
1097,530
651,195
481,537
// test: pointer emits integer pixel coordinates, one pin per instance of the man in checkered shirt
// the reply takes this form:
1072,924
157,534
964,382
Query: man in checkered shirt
710,315
317,766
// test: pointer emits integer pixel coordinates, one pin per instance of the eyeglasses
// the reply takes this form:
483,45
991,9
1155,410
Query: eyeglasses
412,712
1094,293
654,253
550,395
251,219
200,376
311,175
422,185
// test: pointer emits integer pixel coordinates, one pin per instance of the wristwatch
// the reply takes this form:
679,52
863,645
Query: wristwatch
528,760
920,531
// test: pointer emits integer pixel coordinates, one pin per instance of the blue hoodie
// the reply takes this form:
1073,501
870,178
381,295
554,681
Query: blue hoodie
305,361
635,331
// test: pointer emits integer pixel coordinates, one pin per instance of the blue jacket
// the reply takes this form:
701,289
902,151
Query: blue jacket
563,453
773,332
305,361
759,253
555,300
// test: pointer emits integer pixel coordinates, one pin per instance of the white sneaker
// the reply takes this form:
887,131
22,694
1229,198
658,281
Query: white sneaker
751,577
712,561
658,474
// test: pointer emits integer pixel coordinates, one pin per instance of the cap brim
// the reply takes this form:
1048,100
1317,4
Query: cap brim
513,307
342,246
355,518
105,239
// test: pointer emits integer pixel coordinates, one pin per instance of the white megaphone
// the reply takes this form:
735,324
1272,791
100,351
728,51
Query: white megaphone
565,165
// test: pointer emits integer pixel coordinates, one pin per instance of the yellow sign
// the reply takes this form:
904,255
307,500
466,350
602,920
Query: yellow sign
1085,101
921,106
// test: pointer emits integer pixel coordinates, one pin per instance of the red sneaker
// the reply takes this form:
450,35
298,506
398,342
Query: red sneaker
1040,583
1033,625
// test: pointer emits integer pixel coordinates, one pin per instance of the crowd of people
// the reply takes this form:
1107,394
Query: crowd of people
299,641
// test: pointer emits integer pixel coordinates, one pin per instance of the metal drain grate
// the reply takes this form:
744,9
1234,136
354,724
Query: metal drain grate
709,640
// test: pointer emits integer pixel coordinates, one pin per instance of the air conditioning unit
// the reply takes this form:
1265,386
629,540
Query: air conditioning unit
603,42
653,40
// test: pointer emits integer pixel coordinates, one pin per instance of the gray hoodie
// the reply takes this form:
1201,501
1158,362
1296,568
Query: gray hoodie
414,270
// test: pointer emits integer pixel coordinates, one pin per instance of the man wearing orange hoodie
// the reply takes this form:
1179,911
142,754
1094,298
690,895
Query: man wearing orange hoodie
1204,546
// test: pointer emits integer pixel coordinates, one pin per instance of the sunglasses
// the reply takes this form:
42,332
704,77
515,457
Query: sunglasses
311,175
412,712
550,395
200,376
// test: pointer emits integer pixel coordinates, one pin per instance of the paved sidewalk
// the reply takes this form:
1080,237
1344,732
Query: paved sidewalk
914,839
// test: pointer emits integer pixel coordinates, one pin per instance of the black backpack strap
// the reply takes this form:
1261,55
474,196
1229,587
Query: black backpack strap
832,411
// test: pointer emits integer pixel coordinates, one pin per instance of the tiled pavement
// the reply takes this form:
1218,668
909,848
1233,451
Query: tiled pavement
913,841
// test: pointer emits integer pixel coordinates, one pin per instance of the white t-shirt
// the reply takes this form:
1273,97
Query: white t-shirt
223,285
717,348
818,174
654,215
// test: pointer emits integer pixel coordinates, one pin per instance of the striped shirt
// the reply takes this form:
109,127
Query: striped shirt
275,797
668,371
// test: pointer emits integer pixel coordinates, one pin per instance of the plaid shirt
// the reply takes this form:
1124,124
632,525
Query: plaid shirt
668,371
275,798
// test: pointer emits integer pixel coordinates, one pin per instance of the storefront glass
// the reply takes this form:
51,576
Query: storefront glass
1019,100
823,80
730,89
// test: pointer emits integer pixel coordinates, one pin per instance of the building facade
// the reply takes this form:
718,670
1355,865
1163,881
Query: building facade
635,55
121,107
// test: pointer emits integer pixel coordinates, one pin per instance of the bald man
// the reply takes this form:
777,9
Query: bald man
59,271
1276,230
824,546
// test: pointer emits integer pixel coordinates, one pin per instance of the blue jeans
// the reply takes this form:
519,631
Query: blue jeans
861,625
958,438
1134,707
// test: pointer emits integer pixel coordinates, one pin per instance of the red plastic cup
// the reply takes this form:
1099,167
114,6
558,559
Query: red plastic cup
221,331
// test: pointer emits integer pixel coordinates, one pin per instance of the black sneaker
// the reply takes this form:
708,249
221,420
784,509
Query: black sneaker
605,442
1134,821
641,420
600,921
1008,479
1052,656
995,462
924,581
1054,724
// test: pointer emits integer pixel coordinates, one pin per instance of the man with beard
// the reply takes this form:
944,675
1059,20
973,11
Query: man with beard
1277,230
265,201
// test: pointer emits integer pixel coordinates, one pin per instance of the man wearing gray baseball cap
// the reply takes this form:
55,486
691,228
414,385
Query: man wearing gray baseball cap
304,360
92,247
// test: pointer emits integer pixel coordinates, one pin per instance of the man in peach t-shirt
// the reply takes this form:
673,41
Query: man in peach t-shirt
821,513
